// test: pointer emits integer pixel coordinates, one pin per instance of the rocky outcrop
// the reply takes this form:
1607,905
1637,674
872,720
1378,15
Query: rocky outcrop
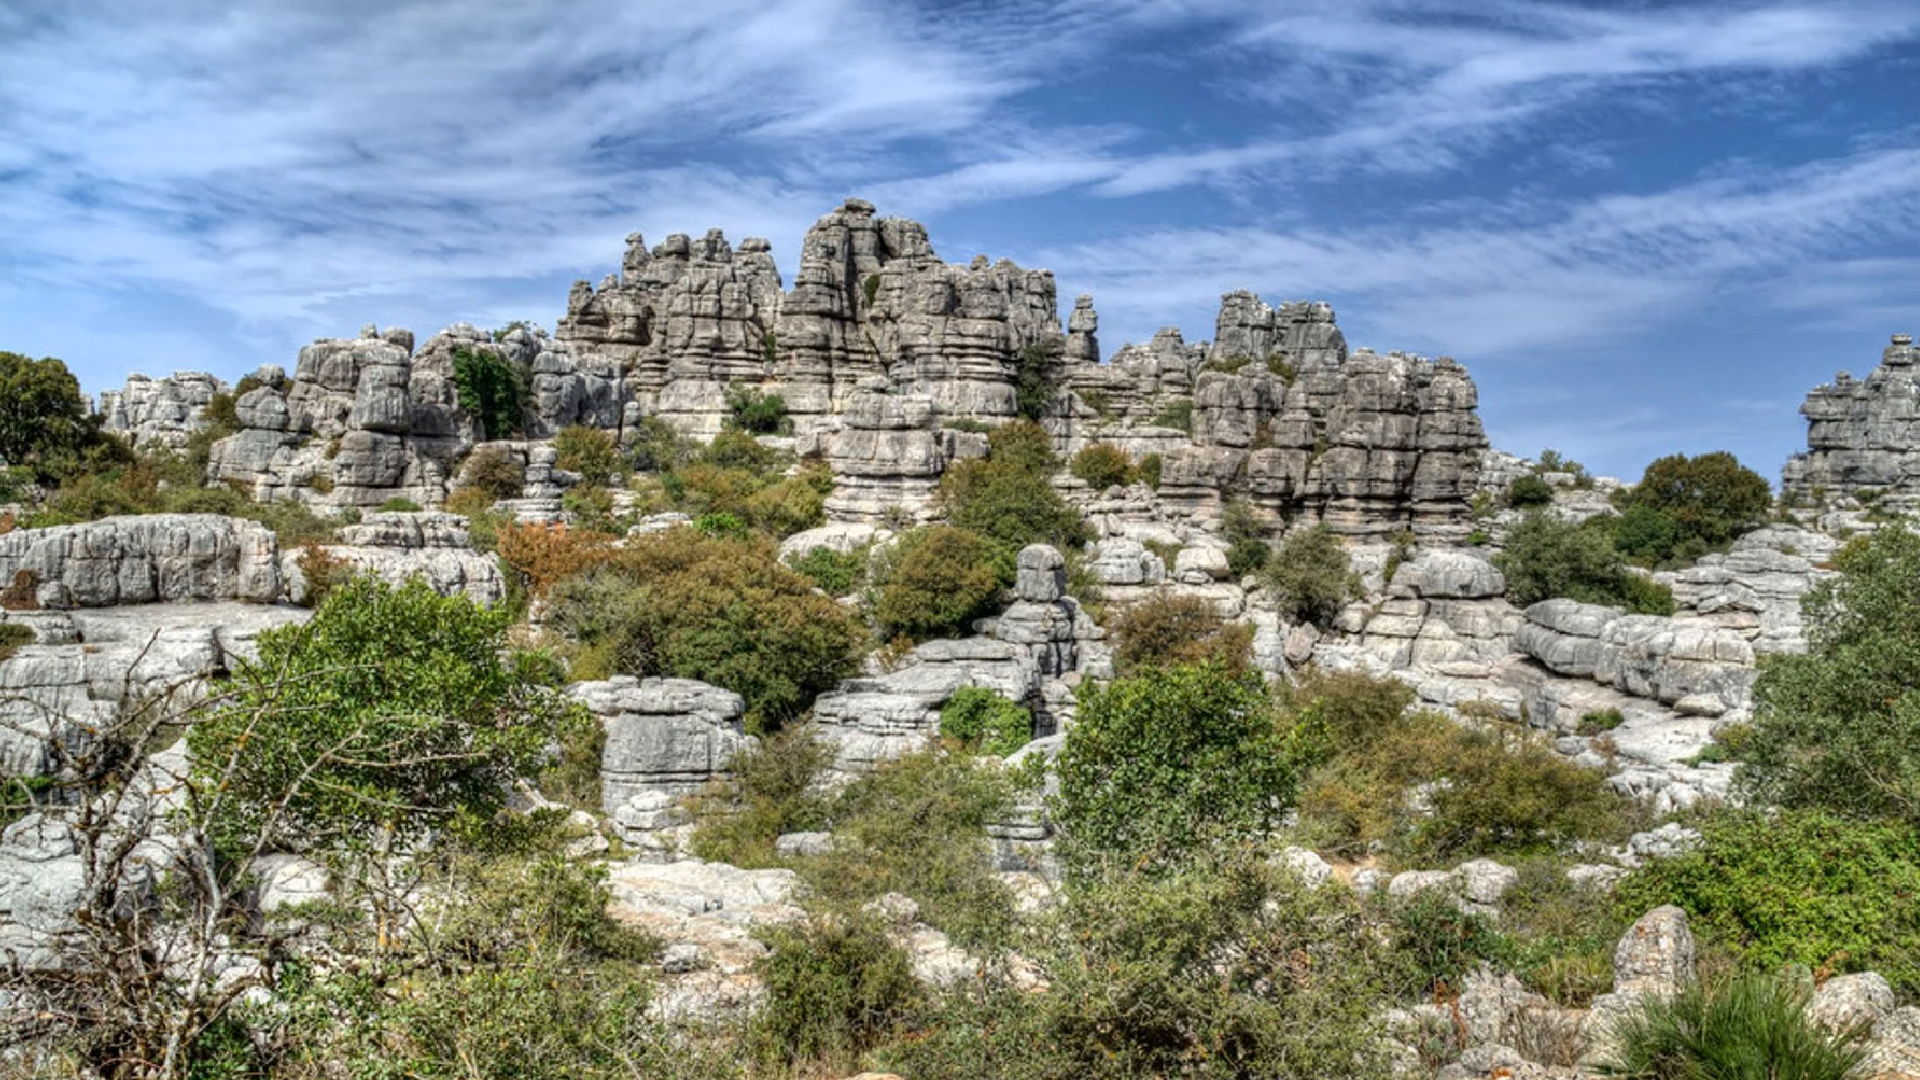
888,457
1696,667
396,547
164,412
1862,433
665,739
153,558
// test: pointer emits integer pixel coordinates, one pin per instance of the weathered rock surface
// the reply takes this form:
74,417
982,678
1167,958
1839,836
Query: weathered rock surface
666,736
397,546
1861,432
163,412
154,558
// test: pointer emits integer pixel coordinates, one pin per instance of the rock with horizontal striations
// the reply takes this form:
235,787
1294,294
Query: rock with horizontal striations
152,558
164,412
662,735
1861,432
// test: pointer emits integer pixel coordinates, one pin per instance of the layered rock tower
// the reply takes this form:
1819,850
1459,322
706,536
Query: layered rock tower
1862,433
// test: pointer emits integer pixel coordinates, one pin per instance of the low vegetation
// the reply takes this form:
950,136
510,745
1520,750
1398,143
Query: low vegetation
1311,576
1547,556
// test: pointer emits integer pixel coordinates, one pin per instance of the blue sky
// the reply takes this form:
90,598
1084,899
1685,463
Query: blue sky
1645,227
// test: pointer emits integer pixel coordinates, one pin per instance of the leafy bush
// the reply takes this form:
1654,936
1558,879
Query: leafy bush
1229,969
12,636
1036,381
934,582
1797,886
917,826
657,447
587,451
1103,465
1169,629
496,471
753,411
1158,765
837,573
723,525
1599,722
1007,498
718,610
1710,499
1647,535
979,719
1149,470
45,424
589,507
399,505
1178,414
836,986
392,705
1839,727
1438,944
1752,1028
772,790
1529,491
1546,557
1311,576
483,522
734,448
491,389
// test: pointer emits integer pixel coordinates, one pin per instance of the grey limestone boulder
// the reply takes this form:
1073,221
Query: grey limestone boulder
663,735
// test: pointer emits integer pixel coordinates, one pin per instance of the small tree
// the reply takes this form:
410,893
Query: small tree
934,582
587,451
757,412
495,471
1037,378
1007,497
1103,465
1311,575
1839,727
44,421
1547,557
1167,629
1159,765
1710,499
979,719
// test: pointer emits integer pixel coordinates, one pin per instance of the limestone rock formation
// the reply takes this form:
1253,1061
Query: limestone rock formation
1861,433
162,412
397,546
888,458
154,558
663,735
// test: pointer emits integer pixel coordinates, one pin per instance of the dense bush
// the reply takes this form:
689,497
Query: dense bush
1529,491
1170,629
836,986
496,471
657,447
1437,944
718,610
1159,765
537,557
391,709
772,790
1547,557
1311,576
1036,381
587,451
754,411
45,424
1226,970
491,388
978,719
1420,785
1752,1028
1709,500
837,573
1839,727
1797,886
1103,465
12,636
1006,497
934,582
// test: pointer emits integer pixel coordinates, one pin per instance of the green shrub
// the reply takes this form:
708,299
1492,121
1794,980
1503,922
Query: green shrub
979,719
12,636
1438,944
1647,535
1007,499
1149,470
719,610
22,795
587,451
390,710
1839,727
836,573
835,987
1168,629
1036,381
491,388
495,471
728,526
1229,969
1177,414
1102,465
1311,576
1600,722
656,447
1161,764
1797,886
1752,1028
45,424
772,790
399,505
935,582
917,826
1709,499
751,410
1529,491
1546,557
735,448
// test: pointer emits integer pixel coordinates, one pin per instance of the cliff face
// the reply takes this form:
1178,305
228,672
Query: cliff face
876,347
1862,433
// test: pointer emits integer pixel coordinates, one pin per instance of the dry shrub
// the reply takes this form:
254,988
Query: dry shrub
543,555
1168,629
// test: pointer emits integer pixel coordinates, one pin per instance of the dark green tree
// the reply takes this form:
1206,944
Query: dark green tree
1710,499
44,421
491,388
